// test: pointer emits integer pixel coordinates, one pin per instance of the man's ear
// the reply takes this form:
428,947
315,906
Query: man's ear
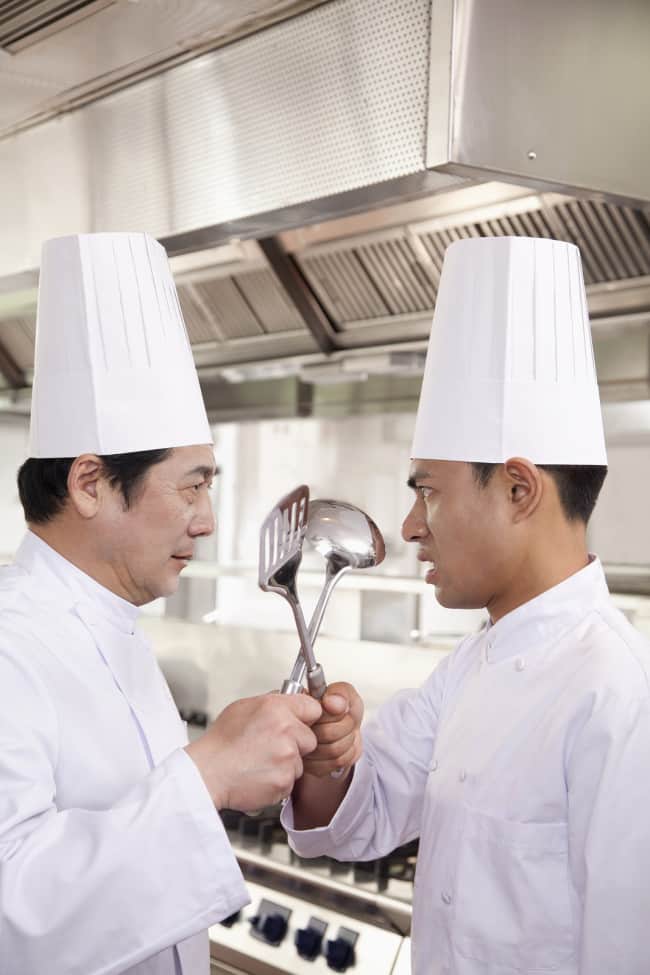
86,483
525,487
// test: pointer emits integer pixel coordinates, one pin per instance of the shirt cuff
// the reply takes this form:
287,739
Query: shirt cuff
340,831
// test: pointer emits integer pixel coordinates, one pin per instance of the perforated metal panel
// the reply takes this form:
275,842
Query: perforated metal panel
329,102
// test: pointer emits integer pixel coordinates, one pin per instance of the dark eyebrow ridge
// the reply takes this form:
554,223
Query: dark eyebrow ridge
418,476
204,470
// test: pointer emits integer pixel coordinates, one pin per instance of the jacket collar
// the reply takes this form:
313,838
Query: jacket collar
64,582
544,618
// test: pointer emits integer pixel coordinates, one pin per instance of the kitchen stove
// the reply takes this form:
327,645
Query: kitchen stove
313,916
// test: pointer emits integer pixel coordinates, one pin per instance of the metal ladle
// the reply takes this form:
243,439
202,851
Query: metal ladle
348,539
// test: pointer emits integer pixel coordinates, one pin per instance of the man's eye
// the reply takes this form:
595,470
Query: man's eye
424,491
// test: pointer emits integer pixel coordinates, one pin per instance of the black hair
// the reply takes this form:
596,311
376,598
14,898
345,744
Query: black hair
578,486
43,483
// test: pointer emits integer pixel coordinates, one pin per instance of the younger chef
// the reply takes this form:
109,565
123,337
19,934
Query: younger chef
523,762
113,858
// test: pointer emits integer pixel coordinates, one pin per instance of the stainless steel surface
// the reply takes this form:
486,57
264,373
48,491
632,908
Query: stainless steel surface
551,94
237,312
242,132
376,950
62,53
389,276
360,896
347,538
311,121
281,539
329,102
370,900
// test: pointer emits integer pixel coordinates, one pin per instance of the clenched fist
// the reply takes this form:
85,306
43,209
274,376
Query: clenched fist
253,753
337,732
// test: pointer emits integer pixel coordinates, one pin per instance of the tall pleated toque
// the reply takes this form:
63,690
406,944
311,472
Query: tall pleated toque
510,366
114,370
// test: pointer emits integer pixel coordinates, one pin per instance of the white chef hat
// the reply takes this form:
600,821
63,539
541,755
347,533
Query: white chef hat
114,371
510,366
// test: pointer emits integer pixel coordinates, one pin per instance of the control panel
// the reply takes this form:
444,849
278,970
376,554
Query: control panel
292,937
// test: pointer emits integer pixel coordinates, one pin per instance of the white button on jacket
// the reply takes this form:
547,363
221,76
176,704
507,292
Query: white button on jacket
112,856
538,861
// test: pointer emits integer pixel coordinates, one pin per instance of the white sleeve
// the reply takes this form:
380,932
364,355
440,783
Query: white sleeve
383,806
608,779
100,890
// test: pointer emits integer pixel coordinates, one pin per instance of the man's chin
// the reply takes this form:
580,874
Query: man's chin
449,599
166,588
444,597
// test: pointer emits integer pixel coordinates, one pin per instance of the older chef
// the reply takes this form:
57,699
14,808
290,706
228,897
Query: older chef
112,855
523,763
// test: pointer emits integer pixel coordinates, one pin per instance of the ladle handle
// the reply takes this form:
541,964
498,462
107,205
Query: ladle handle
299,668
323,600
316,681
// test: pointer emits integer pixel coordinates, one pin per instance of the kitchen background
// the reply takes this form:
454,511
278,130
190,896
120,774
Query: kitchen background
306,163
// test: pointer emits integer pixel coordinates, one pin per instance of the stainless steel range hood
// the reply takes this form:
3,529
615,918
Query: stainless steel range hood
308,176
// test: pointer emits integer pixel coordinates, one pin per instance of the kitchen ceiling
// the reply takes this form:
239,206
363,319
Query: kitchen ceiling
298,196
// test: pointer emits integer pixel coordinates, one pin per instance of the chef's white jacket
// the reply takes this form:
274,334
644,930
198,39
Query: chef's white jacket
523,764
112,855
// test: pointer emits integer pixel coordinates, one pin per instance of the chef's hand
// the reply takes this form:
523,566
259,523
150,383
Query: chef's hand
252,754
337,732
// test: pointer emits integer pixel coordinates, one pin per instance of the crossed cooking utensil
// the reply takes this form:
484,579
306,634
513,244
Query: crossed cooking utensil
347,539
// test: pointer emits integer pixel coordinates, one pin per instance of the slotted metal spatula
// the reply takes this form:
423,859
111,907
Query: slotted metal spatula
281,537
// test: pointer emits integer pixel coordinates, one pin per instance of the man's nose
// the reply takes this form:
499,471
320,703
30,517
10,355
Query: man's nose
204,521
414,526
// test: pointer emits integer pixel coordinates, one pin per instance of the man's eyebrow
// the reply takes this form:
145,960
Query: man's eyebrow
204,470
416,476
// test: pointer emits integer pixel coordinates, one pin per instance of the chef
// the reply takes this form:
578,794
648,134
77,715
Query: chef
113,857
523,762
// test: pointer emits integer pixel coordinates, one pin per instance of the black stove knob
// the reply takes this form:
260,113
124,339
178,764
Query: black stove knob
339,954
309,942
272,927
230,920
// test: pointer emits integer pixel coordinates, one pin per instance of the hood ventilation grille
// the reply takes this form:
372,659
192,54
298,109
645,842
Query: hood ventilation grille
397,272
381,287
240,306
23,23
